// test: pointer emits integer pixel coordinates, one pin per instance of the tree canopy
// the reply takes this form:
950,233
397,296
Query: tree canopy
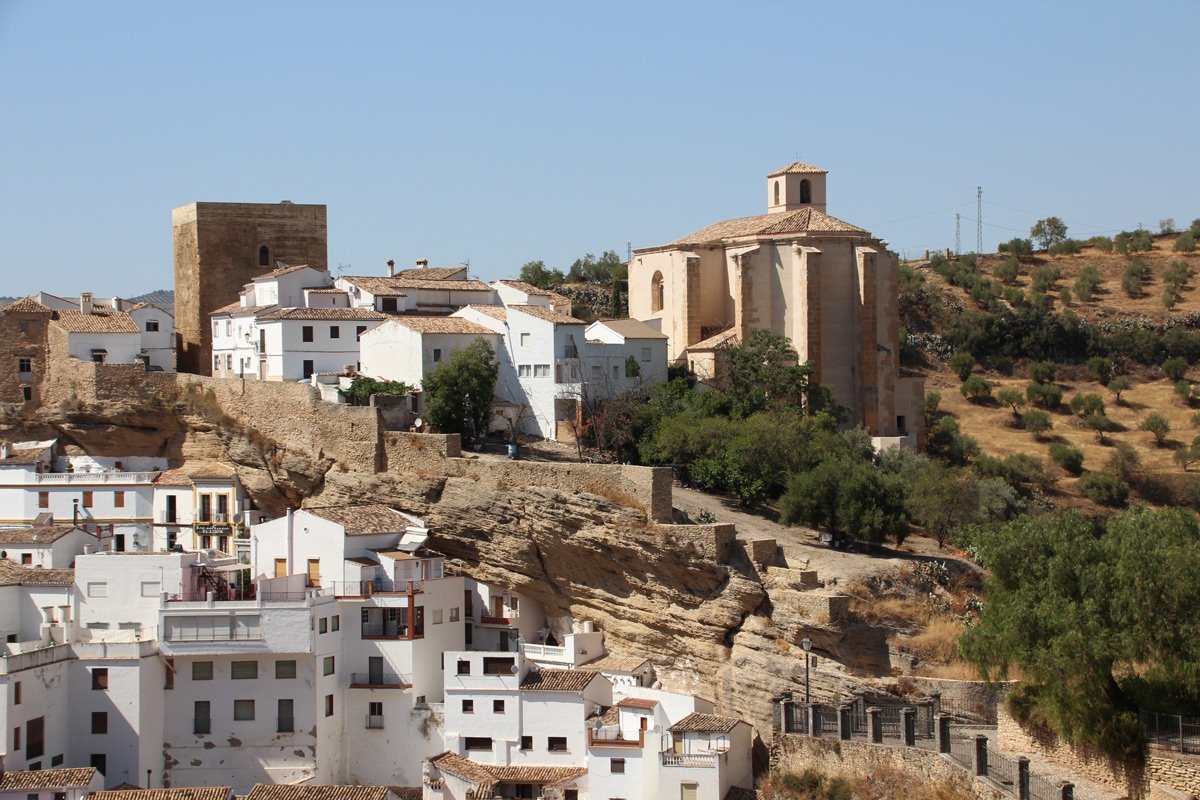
1099,621
765,372
603,270
1048,232
460,390
535,272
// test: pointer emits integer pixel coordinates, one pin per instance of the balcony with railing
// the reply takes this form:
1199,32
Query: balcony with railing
354,589
379,680
614,737
702,760
92,478
375,721
545,652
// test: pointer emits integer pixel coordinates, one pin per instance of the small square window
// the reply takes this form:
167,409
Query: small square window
24,326
152,326
97,589
359,331
99,722
616,766
468,706
335,622
526,742
327,666
56,761
43,499
335,332
437,354
437,616
323,625
497,706
87,499
243,670
524,370
118,499
285,669
464,667
24,365
306,333
202,670
478,742
556,744
100,679
525,339
454,614
243,710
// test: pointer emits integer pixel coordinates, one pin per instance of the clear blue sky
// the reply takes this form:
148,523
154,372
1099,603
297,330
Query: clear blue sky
503,132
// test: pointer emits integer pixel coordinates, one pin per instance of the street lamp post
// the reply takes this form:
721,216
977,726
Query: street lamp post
806,643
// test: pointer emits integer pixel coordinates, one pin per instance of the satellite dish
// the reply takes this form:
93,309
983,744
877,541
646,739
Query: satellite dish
516,670
418,423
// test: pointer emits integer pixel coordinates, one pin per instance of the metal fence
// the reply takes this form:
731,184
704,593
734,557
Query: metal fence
1171,730
1003,770
962,748
968,710
1042,789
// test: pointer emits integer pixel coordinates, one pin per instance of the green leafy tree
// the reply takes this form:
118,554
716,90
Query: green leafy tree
976,388
1084,404
1186,243
1117,385
764,372
617,310
1081,612
1185,455
1194,229
535,273
1048,231
1177,273
1067,457
849,496
1011,397
1043,372
1007,270
1167,225
961,364
1037,422
947,442
1104,488
1156,424
1175,368
603,270
1087,283
1046,395
932,401
359,392
943,500
1101,369
1017,247
1183,388
1099,423
1043,279
459,392
632,368
1102,243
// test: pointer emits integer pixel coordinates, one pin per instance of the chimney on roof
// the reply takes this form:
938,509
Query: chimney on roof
85,302
5,450
391,268
422,262
118,304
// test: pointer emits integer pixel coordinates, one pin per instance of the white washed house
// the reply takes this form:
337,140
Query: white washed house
406,348
611,344
198,507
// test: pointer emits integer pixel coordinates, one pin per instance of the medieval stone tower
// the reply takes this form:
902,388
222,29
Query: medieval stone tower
220,247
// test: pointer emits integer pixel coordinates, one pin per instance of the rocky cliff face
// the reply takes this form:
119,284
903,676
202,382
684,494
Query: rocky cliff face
721,630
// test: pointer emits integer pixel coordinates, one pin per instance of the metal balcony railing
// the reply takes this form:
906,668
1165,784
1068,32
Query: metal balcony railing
374,720
376,679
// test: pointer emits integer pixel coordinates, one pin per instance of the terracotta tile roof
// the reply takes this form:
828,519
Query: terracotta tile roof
548,314
615,663
527,288
285,791
486,776
324,313
727,336
13,574
34,536
558,680
237,309
47,778
26,305
365,561
184,476
495,312
96,322
608,715
286,271
325,290
135,793
443,325
381,287
432,273
557,299
22,457
798,167
363,520
406,792
636,702
632,329
805,220
712,723
452,285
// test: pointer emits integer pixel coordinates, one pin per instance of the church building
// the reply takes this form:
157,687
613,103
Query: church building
829,286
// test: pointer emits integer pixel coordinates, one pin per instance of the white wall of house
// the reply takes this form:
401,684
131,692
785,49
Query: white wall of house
287,290
394,352
123,348
157,345
90,499
117,591
287,352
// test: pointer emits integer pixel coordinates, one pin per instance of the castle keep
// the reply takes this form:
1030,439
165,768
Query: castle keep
220,247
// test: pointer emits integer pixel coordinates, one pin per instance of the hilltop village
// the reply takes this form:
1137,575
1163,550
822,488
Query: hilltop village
240,556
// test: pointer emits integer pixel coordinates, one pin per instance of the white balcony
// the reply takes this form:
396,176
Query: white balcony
91,478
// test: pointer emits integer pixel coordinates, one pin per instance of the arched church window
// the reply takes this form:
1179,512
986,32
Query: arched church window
776,192
264,256
806,191
656,292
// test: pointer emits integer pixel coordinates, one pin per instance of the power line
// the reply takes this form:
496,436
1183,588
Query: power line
918,216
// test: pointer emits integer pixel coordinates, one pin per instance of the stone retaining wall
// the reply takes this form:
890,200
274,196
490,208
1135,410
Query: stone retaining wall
834,606
793,753
714,542
802,579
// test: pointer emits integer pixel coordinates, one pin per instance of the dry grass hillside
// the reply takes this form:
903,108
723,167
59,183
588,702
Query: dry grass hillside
999,432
